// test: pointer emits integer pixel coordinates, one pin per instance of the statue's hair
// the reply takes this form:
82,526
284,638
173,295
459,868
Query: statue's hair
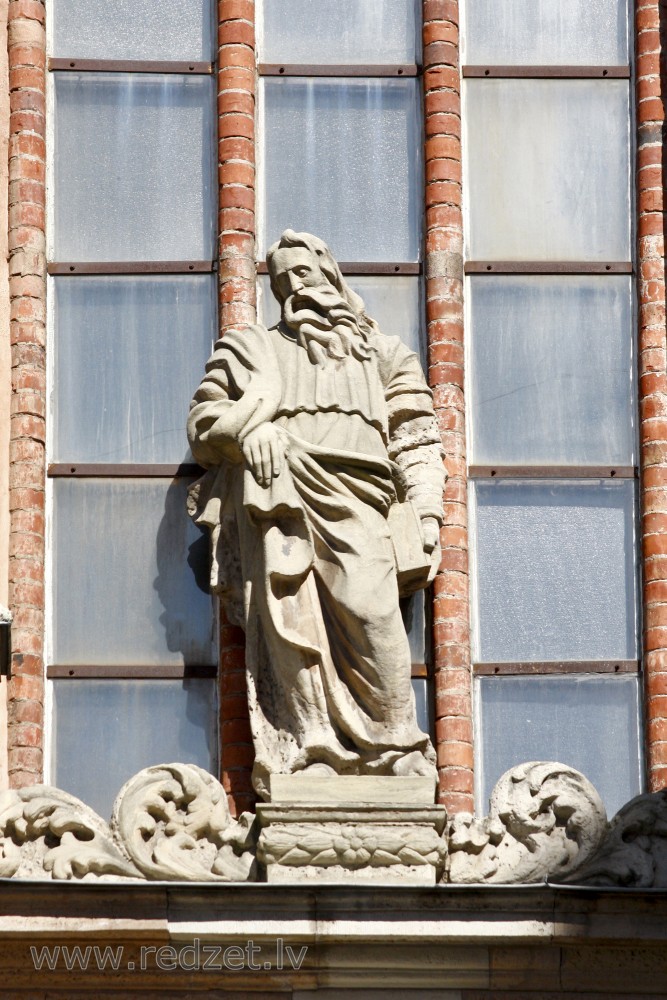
329,267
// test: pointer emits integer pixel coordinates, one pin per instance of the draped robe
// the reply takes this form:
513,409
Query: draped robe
309,558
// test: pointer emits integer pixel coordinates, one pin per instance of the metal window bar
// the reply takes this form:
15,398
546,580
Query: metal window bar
547,72
338,70
118,672
547,267
553,471
543,667
130,66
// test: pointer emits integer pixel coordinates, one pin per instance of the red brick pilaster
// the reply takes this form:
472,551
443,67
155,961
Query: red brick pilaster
236,166
27,288
650,25
236,130
444,312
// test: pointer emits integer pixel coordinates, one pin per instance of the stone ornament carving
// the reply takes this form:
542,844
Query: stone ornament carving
352,845
169,822
633,851
46,833
174,823
323,501
545,819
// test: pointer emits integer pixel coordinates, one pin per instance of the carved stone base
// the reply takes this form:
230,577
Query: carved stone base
352,829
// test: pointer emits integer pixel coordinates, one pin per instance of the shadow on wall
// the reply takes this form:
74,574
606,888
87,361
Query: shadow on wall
189,618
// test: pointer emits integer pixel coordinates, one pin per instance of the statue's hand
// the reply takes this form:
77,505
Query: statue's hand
431,530
264,451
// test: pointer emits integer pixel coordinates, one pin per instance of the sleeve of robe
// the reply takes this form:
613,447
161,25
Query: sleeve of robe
240,390
414,439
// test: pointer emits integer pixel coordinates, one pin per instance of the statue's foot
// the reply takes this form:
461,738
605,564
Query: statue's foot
321,770
414,763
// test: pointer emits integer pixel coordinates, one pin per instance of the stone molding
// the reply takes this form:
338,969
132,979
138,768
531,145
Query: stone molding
402,844
171,822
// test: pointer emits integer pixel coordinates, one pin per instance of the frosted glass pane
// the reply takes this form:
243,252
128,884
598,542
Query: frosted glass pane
548,169
131,575
133,29
555,575
552,370
128,354
422,692
588,722
546,32
345,31
414,616
105,731
133,167
342,160
393,302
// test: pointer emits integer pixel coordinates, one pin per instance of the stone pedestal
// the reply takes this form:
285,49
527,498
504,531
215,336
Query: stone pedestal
366,830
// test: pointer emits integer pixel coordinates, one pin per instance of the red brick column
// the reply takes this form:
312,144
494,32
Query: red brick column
236,165
650,24
444,313
27,288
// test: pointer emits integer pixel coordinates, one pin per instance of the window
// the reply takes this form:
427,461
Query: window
551,397
132,650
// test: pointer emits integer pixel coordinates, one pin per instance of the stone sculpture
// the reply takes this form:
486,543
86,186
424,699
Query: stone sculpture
323,500
171,823
545,819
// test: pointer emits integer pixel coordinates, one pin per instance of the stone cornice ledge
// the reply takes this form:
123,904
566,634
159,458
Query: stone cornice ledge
172,823
609,942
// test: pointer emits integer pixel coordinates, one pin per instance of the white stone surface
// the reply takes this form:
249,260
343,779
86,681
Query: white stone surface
353,789
365,844
323,500
544,819
340,875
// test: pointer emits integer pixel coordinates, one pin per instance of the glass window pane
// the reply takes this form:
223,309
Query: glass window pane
588,722
105,731
546,32
548,169
413,609
131,575
422,692
393,302
347,31
552,370
555,576
342,160
133,167
133,29
129,353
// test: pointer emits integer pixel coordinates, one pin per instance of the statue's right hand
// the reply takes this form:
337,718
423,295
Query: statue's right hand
264,451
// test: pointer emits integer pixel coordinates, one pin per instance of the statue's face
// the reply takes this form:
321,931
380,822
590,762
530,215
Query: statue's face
296,269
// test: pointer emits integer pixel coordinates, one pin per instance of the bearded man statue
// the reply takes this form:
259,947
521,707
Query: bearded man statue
324,501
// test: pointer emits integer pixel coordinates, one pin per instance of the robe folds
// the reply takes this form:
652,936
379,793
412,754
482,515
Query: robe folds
308,561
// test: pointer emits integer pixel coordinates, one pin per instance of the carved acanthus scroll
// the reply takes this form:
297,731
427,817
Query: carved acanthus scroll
169,822
544,819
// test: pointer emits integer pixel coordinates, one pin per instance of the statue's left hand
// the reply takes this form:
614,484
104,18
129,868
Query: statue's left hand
431,530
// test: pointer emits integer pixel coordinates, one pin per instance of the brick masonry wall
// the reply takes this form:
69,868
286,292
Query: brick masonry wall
27,287
444,313
236,178
650,29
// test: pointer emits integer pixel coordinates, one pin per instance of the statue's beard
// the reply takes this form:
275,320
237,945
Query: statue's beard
325,325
